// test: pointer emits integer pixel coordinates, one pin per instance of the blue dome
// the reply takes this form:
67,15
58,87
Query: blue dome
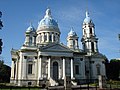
72,33
30,28
48,20
87,19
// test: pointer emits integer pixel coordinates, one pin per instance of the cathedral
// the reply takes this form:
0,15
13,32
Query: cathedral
43,60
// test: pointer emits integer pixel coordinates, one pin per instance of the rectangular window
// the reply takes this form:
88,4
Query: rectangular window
50,38
29,83
98,70
30,42
90,30
76,69
92,46
25,57
45,37
29,68
81,59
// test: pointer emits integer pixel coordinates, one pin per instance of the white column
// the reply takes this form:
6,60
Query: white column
34,40
12,69
20,69
20,66
96,47
40,68
49,67
26,40
24,69
63,68
16,75
52,37
48,37
72,77
43,34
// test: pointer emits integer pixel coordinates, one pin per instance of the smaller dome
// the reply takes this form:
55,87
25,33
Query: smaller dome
87,19
30,28
72,33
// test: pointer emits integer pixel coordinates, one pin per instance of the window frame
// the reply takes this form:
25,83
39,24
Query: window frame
77,69
30,68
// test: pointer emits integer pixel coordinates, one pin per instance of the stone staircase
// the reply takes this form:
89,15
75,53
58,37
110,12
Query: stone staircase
53,82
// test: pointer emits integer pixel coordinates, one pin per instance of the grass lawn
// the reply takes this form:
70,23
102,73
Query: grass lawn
22,89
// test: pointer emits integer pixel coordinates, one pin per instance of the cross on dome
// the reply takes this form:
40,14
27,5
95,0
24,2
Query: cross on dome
87,14
48,13
87,18
31,25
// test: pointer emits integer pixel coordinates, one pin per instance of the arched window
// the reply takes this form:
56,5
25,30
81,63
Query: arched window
30,68
55,71
30,42
45,37
92,46
90,30
84,47
40,37
98,69
50,37
54,38
77,69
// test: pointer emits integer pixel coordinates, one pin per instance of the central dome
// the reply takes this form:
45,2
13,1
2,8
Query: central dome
48,21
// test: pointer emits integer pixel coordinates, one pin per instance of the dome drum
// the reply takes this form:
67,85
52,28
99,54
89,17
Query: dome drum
46,28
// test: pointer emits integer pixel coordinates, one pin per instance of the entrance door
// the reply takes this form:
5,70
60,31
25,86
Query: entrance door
55,71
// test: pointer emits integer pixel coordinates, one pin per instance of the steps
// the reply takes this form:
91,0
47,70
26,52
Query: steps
53,82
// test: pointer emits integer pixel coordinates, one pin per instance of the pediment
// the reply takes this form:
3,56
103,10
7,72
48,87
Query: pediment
56,47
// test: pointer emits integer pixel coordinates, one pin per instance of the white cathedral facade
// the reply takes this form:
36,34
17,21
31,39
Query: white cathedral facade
43,59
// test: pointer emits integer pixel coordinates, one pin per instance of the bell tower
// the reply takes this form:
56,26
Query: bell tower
89,39
30,39
72,40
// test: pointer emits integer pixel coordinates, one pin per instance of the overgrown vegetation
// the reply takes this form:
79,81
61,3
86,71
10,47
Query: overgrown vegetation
4,72
113,69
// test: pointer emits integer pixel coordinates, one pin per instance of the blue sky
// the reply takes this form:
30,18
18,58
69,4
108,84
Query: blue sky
17,15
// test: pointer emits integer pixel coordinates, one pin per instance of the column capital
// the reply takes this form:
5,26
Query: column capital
71,58
48,57
40,56
63,57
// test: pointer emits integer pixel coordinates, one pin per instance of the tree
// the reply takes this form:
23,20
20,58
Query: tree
113,69
1,25
4,72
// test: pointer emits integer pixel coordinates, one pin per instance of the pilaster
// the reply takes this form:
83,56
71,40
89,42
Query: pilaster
49,69
72,77
40,68
63,68
12,69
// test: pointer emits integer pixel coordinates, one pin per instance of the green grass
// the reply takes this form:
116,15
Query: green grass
21,89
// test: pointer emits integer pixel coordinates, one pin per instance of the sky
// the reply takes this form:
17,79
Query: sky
17,15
